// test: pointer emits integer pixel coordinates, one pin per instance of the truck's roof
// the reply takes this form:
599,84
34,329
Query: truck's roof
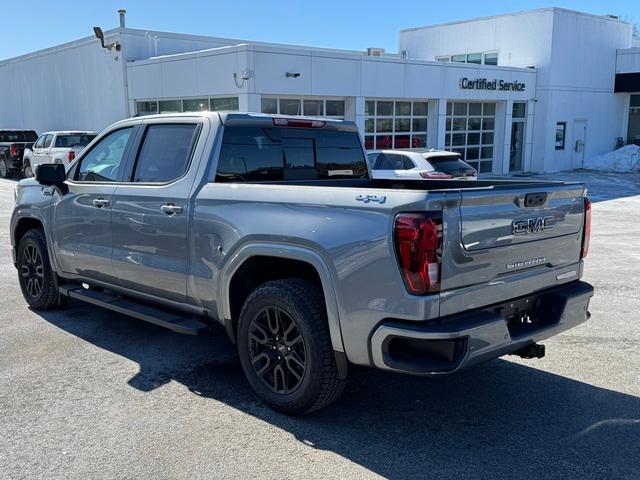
69,132
252,118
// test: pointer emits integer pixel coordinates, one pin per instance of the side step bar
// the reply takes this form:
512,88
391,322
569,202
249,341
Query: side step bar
157,316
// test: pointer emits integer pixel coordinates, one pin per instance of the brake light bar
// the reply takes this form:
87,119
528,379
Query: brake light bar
418,243
13,150
436,175
587,228
289,122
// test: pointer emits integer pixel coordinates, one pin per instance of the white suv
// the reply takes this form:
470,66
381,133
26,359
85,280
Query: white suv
419,164
55,147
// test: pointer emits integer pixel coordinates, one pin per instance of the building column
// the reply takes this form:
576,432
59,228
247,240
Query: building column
354,111
502,140
528,137
437,119
249,102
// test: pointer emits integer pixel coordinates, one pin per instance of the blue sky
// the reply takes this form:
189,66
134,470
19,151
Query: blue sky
29,25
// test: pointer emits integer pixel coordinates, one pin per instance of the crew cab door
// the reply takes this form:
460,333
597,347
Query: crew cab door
44,155
151,209
81,218
37,151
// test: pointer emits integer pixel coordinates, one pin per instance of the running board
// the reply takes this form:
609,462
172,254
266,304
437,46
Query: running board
157,316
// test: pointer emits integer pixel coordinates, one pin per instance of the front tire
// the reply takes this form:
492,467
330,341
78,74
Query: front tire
37,279
27,171
285,348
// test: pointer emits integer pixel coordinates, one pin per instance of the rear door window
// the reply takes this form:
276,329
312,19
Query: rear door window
251,154
165,153
390,161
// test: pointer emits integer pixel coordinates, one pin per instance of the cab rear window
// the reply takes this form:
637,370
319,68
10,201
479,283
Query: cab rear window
253,154
18,136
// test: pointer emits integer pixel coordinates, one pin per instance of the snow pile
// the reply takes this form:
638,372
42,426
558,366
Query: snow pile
625,159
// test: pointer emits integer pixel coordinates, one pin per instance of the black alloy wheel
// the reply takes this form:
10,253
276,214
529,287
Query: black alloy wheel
278,352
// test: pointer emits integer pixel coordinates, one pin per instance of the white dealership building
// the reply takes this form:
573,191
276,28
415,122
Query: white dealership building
534,91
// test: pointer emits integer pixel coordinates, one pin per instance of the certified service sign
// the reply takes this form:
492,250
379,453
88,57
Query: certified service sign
486,84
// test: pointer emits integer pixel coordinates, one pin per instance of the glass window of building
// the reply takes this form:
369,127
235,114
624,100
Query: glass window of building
474,58
470,132
195,105
395,124
491,58
459,58
170,106
147,107
310,107
186,105
224,103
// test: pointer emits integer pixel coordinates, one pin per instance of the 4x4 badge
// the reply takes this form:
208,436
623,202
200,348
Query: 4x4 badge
371,198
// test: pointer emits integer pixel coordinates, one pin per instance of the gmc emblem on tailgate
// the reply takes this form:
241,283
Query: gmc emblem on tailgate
531,225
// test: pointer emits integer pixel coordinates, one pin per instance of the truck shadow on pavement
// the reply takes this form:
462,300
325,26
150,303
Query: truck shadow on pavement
498,420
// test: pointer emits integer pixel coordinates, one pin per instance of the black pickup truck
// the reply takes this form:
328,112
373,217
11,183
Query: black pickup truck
12,145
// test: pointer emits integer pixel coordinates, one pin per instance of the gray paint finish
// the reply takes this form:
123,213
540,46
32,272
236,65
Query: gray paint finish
188,260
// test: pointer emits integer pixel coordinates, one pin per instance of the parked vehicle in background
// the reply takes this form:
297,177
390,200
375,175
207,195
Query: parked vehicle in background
271,227
12,146
419,164
55,147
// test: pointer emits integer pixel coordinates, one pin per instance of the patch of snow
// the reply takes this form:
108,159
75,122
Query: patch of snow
625,159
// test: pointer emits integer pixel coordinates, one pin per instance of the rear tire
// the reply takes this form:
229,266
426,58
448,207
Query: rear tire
4,168
285,347
37,279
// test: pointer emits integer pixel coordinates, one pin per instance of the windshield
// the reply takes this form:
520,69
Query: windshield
18,136
73,141
449,164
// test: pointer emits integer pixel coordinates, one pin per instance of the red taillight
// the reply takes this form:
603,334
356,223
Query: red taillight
289,122
13,150
436,175
587,228
71,155
418,242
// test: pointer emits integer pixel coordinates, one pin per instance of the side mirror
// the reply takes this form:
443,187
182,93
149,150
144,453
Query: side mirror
51,175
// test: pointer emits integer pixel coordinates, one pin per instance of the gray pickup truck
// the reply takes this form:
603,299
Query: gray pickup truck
272,227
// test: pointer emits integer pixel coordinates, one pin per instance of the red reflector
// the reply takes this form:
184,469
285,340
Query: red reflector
13,150
71,155
587,228
436,175
288,122
417,241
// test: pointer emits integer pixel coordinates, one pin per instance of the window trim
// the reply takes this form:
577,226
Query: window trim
136,149
209,99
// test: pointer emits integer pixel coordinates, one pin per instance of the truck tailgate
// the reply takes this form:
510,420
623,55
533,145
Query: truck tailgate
506,241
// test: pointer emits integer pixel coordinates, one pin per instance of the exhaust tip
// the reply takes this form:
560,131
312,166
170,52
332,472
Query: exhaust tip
535,350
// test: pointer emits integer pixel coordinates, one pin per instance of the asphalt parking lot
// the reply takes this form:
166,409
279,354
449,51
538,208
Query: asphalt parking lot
85,393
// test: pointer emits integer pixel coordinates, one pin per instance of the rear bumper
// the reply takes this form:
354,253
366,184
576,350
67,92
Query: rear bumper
458,341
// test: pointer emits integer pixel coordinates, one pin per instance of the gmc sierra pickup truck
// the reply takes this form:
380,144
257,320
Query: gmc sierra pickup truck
12,146
272,227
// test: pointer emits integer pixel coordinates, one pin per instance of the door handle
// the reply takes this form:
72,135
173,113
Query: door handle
100,202
171,209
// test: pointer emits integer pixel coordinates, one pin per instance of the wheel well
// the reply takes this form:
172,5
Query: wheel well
23,226
261,269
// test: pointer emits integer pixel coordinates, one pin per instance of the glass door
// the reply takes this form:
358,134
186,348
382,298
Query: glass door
517,137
